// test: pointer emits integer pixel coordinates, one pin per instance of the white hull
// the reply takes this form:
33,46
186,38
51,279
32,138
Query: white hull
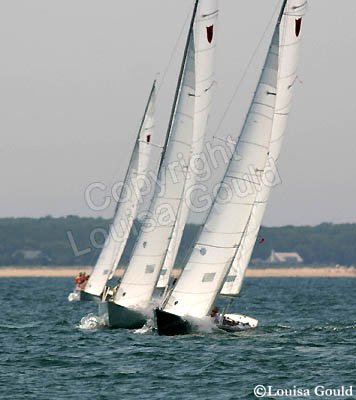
81,295
237,323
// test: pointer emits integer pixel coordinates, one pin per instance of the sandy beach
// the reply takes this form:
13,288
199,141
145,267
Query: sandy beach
332,272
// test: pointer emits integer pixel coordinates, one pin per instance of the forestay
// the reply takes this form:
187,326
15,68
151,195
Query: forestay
202,48
203,276
126,209
289,46
186,129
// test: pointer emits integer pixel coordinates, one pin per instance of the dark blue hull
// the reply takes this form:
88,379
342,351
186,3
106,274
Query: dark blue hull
170,324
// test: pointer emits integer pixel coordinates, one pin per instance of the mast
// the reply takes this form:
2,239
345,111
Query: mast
125,212
179,84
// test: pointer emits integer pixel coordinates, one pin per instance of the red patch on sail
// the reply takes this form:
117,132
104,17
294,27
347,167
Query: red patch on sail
210,33
298,26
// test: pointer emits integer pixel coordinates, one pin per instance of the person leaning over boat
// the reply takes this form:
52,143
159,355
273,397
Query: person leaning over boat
214,314
81,280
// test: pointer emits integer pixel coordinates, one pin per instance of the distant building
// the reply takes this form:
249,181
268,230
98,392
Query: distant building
29,254
284,258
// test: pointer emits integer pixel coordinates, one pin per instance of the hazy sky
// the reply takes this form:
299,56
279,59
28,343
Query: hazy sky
75,75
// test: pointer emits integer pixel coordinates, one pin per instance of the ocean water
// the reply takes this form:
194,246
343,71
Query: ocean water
306,337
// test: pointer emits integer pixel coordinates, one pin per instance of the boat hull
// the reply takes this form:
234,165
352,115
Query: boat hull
121,317
237,323
80,295
84,296
170,324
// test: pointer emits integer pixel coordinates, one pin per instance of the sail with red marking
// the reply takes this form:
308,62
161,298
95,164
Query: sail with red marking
126,209
289,48
220,236
203,55
186,132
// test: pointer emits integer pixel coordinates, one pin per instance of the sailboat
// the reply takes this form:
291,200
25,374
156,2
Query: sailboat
287,78
126,209
131,305
230,225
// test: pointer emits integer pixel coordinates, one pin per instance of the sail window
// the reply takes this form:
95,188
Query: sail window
231,278
150,269
203,251
164,272
144,244
208,277
148,138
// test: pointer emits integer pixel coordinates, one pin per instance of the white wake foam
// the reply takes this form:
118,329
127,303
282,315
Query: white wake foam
92,321
74,296
203,325
147,328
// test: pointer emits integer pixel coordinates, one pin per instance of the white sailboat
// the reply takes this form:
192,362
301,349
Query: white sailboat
228,222
187,126
126,209
204,64
287,77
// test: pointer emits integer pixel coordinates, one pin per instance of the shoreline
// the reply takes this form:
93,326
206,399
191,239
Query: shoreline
285,272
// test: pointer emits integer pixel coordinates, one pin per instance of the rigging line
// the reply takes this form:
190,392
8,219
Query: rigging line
174,51
247,68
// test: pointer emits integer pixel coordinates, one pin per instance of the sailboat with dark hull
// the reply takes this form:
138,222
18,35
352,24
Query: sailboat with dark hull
132,303
220,254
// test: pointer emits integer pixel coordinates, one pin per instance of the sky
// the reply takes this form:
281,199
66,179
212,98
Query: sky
75,76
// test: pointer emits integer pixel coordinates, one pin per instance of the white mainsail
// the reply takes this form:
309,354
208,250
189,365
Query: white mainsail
186,130
220,237
289,46
204,59
126,209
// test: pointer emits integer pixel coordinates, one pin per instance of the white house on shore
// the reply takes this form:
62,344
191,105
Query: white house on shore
284,258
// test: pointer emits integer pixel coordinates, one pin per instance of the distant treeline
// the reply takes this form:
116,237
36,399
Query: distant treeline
76,241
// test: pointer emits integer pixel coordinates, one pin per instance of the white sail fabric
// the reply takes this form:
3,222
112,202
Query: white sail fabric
204,274
187,127
289,46
204,39
126,209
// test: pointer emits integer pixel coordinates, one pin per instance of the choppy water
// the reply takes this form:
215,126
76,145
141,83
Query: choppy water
307,337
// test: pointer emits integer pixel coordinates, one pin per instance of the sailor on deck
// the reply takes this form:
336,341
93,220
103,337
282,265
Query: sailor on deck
214,314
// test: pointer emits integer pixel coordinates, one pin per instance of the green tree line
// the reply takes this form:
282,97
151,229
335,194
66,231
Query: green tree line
77,241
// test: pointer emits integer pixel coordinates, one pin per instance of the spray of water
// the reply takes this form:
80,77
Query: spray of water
203,325
148,328
92,321
74,296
